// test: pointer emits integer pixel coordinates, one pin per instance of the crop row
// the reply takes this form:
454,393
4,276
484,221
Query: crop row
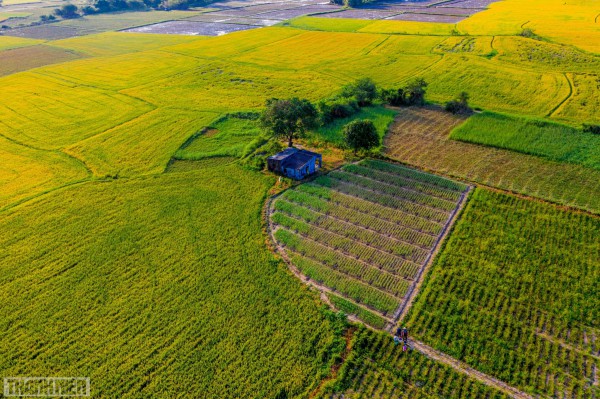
394,190
514,294
351,308
335,279
375,210
353,249
400,181
383,199
317,246
367,236
376,368
414,175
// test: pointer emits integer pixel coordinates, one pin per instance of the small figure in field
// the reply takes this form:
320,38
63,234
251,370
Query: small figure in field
397,336
404,336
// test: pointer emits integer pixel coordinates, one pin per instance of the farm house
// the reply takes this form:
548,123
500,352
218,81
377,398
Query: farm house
295,163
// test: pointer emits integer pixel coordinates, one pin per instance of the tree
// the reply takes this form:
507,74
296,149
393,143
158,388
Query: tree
363,90
361,134
68,11
289,118
414,92
460,105
411,94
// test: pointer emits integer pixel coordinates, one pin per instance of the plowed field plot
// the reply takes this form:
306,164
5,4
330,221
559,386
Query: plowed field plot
361,14
364,234
447,19
191,28
481,4
298,12
22,59
419,137
47,32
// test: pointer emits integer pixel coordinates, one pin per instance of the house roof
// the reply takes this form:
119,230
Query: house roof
284,154
294,158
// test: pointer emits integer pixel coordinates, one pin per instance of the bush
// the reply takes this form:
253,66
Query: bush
68,11
411,94
361,135
589,128
87,10
363,90
460,105
337,108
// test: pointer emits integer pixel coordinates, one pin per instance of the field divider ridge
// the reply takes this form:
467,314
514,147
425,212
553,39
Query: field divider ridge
414,289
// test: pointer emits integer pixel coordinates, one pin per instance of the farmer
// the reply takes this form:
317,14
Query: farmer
398,336
404,335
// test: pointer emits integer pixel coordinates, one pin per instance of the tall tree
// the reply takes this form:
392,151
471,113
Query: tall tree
289,118
361,135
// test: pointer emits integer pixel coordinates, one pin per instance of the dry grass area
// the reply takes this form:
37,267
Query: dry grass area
25,58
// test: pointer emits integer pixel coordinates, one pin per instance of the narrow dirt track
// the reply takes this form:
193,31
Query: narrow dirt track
465,369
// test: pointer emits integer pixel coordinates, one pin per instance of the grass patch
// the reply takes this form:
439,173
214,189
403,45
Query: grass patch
543,138
227,137
332,133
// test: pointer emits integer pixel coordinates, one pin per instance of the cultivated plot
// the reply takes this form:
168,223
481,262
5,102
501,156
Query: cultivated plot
366,232
514,294
420,137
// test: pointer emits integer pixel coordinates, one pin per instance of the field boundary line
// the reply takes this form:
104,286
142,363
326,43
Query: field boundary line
415,288
468,370
555,109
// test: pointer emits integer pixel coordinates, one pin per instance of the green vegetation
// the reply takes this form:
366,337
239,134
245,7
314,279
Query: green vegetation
365,231
361,135
376,368
288,119
229,136
332,132
350,308
543,138
515,294
165,280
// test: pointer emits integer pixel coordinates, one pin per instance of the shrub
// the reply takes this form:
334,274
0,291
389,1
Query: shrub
589,128
337,108
460,105
361,135
68,11
363,90
411,94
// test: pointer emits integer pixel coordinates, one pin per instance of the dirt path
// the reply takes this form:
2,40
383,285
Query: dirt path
465,369
414,289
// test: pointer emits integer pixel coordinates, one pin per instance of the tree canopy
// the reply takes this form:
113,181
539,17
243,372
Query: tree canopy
288,118
361,135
